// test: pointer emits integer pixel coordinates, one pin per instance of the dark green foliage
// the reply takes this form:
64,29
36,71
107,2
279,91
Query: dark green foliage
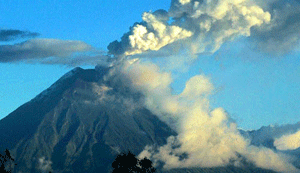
128,163
7,162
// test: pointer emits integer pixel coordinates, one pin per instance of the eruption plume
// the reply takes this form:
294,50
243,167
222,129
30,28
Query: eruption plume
209,137
199,26
206,137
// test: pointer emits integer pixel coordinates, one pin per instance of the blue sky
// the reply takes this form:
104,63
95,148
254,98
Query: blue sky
255,87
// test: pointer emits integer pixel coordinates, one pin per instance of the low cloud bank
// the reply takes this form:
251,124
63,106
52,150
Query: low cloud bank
52,51
288,142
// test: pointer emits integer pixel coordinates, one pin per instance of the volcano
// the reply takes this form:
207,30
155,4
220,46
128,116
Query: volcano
81,122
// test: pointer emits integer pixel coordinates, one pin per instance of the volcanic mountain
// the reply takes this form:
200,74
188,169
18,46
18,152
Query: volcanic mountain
81,123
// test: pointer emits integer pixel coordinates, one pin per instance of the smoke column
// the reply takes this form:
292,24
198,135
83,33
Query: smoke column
198,26
207,136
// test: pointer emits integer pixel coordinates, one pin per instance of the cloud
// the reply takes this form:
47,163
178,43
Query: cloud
52,51
197,26
203,26
12,34
282,34
78,60
155,35
268,159
41,48
206,137
44,165
215,22
288,142
152,34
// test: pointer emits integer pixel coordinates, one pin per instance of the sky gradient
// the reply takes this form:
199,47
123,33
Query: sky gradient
254,86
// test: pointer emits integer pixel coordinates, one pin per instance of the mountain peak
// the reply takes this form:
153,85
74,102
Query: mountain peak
67,80
80,120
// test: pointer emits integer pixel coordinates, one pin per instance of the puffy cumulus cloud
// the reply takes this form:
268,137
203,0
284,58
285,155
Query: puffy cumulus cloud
51,51
206,137
155,35
282,34
198,26
151,34
267,158
215,22
197,86
13,34
288,142
182,2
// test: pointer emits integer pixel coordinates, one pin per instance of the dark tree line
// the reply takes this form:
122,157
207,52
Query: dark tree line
124,163
128,163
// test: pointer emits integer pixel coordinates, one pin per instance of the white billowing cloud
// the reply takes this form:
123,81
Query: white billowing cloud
215,22
268,159
197,86
184,1
154,36
199,26
206,137
288,142
209,138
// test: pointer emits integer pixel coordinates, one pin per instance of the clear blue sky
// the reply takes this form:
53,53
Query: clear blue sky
255,88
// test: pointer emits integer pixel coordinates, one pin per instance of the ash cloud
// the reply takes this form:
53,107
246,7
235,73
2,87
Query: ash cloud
282,34
13,34
209,137
196,26
203,26
151,34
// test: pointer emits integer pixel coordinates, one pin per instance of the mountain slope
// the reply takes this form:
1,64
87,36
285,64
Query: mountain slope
266,135
81,123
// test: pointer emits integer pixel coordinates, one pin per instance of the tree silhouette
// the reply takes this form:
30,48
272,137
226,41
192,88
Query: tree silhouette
146,166
128,163
7,162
